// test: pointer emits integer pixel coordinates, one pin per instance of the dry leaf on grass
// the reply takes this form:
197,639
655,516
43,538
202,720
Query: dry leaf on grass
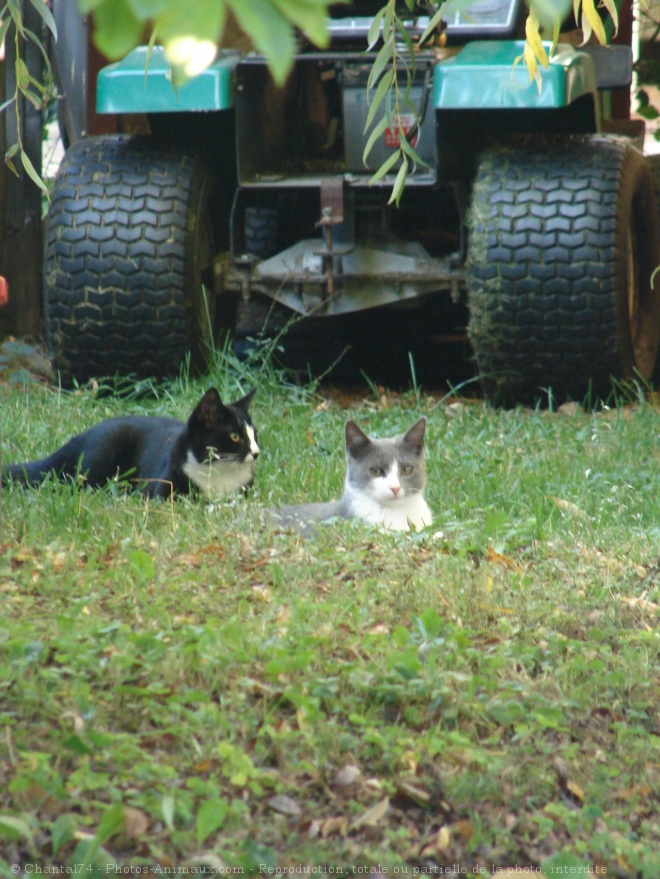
337,824
569,508
568,787
136,823
438,844
284,805
347,776
413,792
503,561
372,816
639,791
639,602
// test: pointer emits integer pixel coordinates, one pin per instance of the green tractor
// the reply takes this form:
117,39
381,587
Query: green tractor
528,224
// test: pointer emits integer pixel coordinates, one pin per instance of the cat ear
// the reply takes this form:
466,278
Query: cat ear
356,440
245,401
210,410
415,436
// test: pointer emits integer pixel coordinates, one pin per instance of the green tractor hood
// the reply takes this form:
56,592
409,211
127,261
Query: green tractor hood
142,83
482,76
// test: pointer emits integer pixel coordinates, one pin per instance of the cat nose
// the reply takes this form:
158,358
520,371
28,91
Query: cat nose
395,489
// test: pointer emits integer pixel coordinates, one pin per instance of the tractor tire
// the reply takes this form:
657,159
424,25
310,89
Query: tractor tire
130,230
563,241
261,231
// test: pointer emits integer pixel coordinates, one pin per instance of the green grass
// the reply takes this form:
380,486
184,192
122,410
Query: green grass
185,688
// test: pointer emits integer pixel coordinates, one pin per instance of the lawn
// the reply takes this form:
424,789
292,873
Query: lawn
185,690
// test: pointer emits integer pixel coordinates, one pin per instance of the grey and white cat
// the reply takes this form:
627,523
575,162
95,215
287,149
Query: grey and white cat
384,485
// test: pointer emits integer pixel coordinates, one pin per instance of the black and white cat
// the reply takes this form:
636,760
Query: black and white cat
384,485
213,452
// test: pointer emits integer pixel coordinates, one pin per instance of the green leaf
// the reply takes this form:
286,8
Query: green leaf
16,16
506,713
30,35
211,817
405,36
203,20
239,777
399,184
116,30
5,24
400,636
408,150
378,131
46,15
310,17
167,810
551,13
383,87
111,824
270,32
374,28
36,100
75,743
432,25
388,22
648,112
63,831
12,167
406,97
22,74
146,9
381,61
387,166
407,664
15,828
32,174
430,623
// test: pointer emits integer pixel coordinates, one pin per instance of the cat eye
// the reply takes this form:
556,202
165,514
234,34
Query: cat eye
407,469
234,437
376,471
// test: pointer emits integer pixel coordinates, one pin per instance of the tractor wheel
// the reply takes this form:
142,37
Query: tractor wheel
129,233
261,231
563,243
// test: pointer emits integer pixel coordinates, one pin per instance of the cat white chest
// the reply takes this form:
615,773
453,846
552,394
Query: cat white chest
218,478
397,515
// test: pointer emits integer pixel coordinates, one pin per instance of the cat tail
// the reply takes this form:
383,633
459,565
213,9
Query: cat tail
26,474
59,465
303,517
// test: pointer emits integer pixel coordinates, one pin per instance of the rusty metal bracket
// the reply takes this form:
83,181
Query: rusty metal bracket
332,214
